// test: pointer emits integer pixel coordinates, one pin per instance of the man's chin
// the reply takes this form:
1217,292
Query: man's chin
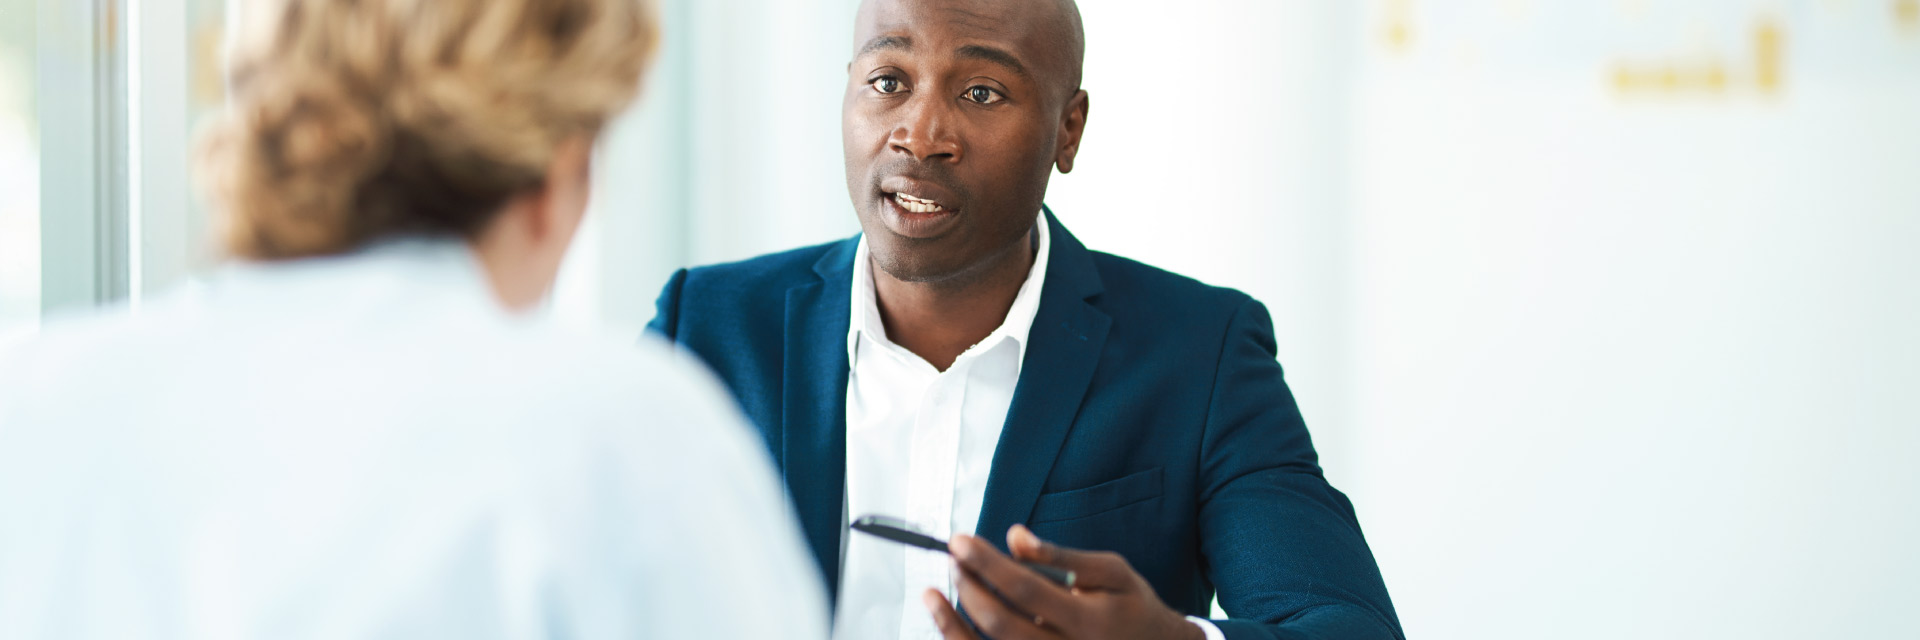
911,268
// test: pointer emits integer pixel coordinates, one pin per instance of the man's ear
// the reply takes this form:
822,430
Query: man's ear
1073,123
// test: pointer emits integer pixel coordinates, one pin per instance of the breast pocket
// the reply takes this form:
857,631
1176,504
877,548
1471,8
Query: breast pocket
1112,495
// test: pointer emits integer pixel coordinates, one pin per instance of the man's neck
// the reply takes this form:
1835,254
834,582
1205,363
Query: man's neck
938,321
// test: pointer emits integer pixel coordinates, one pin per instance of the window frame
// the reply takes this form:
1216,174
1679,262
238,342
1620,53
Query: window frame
117,218
81,99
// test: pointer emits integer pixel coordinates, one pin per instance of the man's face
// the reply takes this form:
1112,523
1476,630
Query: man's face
952,122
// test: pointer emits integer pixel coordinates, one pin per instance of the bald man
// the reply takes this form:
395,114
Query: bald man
966,365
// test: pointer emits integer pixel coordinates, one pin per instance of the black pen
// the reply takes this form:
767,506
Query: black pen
899,531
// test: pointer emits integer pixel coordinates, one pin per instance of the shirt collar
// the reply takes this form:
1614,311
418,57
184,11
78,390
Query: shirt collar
865,317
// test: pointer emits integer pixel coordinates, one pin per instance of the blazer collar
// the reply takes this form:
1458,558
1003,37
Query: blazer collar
1063,348
1066,341
813,441
1071,274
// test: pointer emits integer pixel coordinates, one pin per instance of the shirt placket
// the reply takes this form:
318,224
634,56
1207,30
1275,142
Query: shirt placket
930,473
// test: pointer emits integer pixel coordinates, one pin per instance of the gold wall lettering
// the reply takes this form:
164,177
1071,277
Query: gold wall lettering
1765,72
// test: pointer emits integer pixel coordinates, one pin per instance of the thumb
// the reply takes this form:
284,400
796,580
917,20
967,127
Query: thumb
1100,570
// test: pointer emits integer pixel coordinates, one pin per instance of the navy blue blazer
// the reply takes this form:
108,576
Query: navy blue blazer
1150,419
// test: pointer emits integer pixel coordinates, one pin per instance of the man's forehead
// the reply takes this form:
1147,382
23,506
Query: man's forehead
1008,21
1038,39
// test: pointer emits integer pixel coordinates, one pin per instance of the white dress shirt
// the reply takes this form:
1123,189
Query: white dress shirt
370,447
920,443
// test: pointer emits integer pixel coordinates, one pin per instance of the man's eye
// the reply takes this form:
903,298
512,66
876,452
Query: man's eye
886,84
983,95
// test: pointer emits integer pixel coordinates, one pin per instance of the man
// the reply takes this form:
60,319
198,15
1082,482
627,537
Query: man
967,365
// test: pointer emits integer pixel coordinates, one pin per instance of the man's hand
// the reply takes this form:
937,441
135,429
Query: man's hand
1011,602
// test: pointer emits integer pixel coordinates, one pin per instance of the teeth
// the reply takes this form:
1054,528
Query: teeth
916,205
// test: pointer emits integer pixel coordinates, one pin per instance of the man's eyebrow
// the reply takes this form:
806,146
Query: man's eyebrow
886,42
997,56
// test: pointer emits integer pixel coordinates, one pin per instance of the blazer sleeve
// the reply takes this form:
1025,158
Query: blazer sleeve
1282,546
666,308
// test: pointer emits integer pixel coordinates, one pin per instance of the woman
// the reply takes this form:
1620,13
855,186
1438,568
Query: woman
355,431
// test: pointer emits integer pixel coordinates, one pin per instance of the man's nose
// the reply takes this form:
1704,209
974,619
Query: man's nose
927,131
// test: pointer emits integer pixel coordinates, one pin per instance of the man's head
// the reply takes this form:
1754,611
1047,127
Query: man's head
955,114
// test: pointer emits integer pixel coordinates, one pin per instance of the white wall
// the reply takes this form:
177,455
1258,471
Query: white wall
1640,363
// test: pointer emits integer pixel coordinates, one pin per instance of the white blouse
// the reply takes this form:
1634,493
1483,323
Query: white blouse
370,447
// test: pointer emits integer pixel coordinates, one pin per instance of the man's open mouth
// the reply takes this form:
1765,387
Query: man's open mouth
917,205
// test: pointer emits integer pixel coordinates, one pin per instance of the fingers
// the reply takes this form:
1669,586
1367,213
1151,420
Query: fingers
1022,587
945,618
1102,570
994,617
1029,547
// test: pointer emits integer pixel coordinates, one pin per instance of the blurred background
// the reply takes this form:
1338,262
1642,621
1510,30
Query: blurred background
1606,314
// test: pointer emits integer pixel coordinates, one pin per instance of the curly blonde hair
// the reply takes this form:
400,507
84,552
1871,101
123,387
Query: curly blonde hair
352,120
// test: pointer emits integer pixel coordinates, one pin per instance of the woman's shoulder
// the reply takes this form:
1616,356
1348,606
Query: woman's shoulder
643,381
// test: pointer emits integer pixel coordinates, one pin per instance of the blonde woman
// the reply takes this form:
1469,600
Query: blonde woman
355,431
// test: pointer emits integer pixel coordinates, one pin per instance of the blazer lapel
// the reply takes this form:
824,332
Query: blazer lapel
1065,344
813,406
